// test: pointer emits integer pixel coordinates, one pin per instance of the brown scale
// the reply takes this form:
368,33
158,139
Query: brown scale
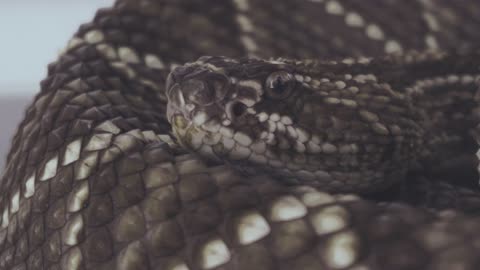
389,106
145,209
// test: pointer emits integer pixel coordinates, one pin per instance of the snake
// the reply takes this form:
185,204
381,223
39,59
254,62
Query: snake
248,134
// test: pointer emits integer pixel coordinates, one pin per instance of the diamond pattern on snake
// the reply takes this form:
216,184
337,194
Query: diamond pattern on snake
252,134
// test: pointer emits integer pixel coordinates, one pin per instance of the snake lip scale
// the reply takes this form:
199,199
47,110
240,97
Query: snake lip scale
198,135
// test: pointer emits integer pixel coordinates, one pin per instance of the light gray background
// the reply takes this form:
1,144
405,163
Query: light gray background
32,32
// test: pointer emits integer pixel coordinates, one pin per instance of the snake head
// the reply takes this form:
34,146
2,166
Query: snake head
306,124
222,105
225,89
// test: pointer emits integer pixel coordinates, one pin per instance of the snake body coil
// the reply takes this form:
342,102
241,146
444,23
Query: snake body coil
94,179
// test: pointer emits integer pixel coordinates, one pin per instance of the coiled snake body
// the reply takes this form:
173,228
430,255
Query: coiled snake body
94,180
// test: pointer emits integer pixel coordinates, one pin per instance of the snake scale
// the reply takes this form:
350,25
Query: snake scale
95,179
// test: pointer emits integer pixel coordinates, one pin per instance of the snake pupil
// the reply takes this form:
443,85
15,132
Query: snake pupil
279,84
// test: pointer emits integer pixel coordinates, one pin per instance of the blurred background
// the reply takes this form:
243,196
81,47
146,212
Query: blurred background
32,33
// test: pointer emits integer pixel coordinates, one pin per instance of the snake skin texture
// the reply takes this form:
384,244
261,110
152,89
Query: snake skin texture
350,126
94,180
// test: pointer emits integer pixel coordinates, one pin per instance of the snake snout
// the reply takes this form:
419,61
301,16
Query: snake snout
196,93
189,97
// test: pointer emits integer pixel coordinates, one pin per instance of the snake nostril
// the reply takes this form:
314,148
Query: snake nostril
239,109
236,110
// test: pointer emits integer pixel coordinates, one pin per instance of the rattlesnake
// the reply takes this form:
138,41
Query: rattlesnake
95,179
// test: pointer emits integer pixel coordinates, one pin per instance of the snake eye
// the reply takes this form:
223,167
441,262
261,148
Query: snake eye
280,84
